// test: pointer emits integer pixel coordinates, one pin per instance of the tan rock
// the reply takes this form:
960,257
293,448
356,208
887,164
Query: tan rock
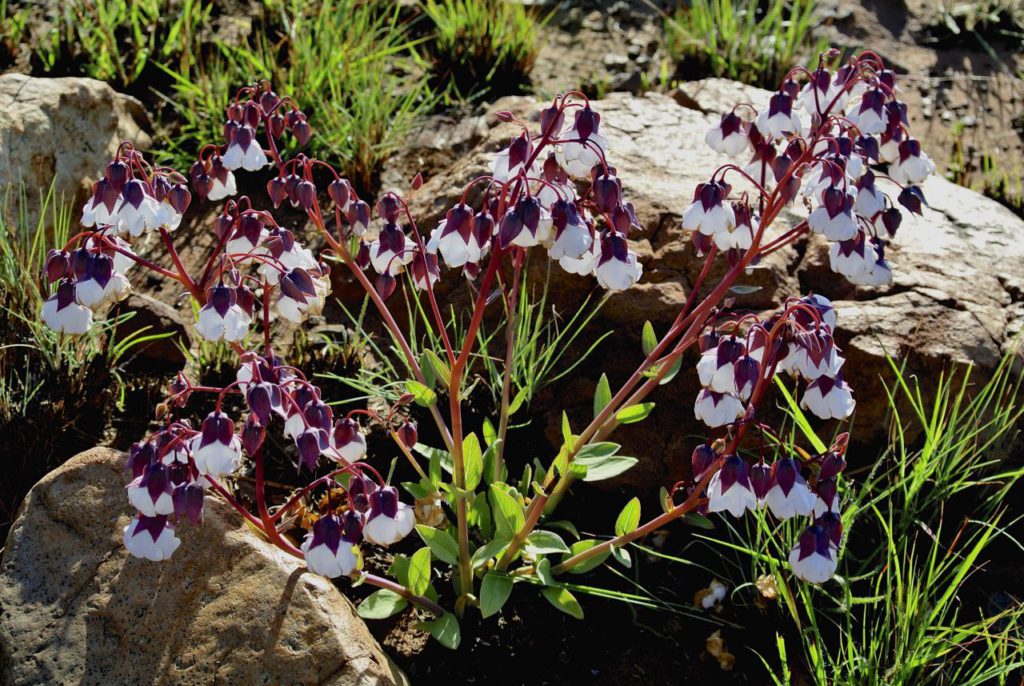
62,131
227,608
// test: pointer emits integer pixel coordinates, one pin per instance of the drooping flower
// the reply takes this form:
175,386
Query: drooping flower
717,409
584,148
151,538
728,135
347,442
150,493
730,489
779,119
216,449
303,294
244,152
223,318
829,397
814,558
833,218
62,314
709,213
389,520
911,166
618,267
329,549
788,494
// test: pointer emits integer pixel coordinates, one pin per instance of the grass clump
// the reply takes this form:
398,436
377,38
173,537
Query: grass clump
481,46
351,61
744,40
923,589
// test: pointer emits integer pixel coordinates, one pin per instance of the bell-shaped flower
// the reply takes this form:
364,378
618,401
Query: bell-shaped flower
96,282
870,117
826,312
456,239
222,318
572,236
779,119
833,218
139,211
829,397
510,162
814,354
814,558
869,201
216,449
188,500
151,538
389,520
556,186
391,251
246,238
879,273
730,489
717,409
817,93
425,270
728,135
150,493
740,236
347,442
62,314
265,400
853,258
585,264
303,294
329,549
827,499
101,209
788,494
618,267
709,213
122,261
222,181
526,225
583,147
244,152
287,254
911,166
716,368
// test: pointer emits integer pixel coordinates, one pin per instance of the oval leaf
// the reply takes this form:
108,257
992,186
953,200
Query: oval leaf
381,604
564,601
629,518
441,543
494,592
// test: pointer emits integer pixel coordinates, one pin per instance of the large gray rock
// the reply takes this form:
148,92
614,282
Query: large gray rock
957,296
62,131
227,608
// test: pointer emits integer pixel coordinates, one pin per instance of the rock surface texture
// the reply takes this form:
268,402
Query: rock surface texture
228,608
958,295
62,131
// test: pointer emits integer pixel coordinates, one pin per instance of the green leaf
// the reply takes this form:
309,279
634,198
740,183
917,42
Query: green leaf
419,571
671,374
621,556
381,605
441,543
648,339
585,566
490,433
429,376
744,289
518,400
543,542
423,396
473,461
416,490
563,600
566,526
494,592
490,455
543,571
480,515
602,449
629,518
438,368
601,468
698,520
566,429
442,458
446,630
487,551
634,413
603,395
509,517
399,569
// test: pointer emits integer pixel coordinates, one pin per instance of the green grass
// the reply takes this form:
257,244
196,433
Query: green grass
910,604
481,46
744,40
349,64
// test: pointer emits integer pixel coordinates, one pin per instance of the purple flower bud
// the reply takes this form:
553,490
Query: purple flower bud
339,192
277,189
58,265
268,101
551,120
116,174
305,194
385,285
703,457
408,434
263,399
760,479
252,434
388,208
831,465
188,502
301,132
276,124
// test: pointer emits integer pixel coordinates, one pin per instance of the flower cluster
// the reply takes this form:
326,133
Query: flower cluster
824,140
858,122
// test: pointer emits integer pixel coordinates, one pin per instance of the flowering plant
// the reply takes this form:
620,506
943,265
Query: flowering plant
822,140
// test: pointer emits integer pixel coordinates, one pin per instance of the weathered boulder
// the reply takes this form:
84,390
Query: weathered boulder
62,131
227,608
957,296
